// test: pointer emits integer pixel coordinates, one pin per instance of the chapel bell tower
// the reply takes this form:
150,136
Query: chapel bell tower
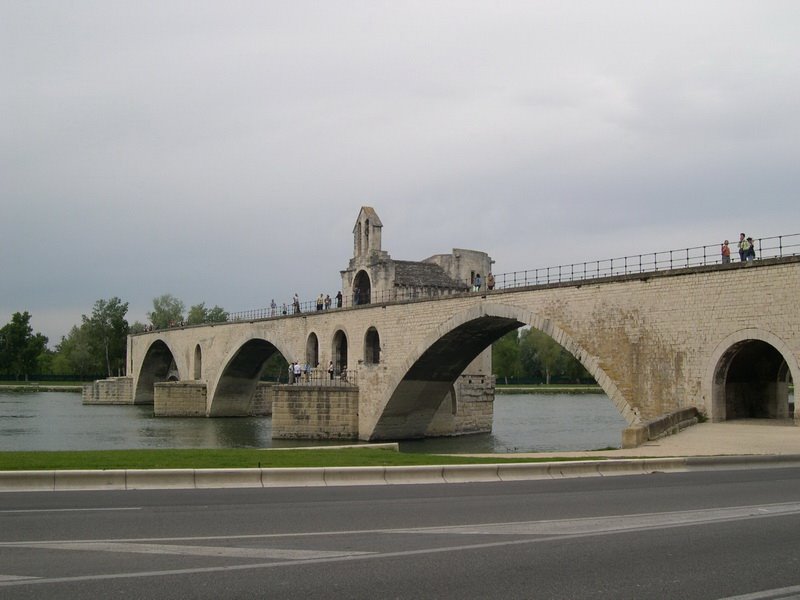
367,234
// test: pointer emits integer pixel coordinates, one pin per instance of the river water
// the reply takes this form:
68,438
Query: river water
522,423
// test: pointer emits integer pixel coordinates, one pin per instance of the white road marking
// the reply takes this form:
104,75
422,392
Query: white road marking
49,510
185,550
618,523
567,529
15,578
776,594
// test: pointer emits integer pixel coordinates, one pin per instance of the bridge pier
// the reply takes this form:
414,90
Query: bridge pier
114,390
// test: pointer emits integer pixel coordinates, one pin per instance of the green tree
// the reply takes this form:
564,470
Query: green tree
541,354
217,315
199,314
74,354
276,368
108,330
167,311
505,356
137,327
20,347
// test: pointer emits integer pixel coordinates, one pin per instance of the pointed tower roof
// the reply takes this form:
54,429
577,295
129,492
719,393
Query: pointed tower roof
367,212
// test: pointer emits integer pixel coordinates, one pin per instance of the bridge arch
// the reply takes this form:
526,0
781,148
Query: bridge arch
239,377
421,384
158,365
749,373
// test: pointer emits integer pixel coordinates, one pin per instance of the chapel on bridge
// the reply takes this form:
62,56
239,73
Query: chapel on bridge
373,276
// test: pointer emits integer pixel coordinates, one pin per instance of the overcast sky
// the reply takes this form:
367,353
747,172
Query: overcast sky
220,151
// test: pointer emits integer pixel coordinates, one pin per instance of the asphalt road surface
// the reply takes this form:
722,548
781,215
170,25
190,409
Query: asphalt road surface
717,534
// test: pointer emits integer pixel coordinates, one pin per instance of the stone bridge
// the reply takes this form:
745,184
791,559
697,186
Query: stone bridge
724,339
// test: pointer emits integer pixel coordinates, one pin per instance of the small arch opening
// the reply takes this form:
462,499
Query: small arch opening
198,362
339,351
372,347
312,350
362,289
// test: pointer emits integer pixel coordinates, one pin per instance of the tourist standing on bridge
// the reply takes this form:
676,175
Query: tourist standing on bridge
490,281
330,369
327,301
320,301
744,247
339,299
273,308
291,373
751,250
478,283
296,303
298,372
726,253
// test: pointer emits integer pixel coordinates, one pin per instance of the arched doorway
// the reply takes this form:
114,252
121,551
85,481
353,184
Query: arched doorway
362,289
312,350
372,347
752,382
339,351
198,362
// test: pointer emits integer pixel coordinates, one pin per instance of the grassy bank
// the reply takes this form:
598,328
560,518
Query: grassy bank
547,389
231,458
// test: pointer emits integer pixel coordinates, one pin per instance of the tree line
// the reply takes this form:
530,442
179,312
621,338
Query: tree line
530,356
96,347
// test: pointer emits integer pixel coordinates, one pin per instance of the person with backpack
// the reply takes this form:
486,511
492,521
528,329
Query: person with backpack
744,247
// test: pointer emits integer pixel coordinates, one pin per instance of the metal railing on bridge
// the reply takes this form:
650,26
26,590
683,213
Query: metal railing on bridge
709,255
321,377
698,256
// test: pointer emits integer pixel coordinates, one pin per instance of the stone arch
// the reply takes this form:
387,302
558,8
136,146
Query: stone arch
158,365
372,347
198,362
748,374
426,377
239,377
362,289
312,350
339,350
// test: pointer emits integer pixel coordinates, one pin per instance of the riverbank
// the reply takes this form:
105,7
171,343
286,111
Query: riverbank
542,388
42,387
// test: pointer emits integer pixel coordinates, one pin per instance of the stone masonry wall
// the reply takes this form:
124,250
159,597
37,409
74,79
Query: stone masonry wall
315,412
261,404
114,390
653,341
474,408
180,399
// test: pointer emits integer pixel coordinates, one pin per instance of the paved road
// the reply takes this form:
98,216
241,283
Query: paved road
690,535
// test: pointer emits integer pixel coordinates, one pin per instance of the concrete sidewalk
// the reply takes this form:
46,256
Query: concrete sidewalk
744,437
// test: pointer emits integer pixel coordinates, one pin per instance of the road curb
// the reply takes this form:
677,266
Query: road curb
141,479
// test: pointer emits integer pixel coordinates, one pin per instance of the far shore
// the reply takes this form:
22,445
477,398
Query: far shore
42,387
541,388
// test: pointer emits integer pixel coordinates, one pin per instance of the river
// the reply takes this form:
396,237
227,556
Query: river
522,423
